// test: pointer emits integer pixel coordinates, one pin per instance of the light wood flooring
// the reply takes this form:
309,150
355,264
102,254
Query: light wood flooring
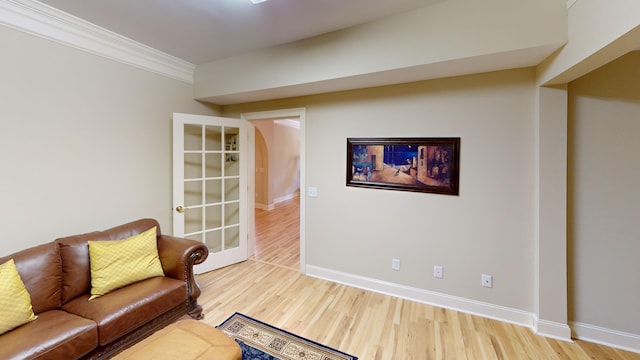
369,325
278,234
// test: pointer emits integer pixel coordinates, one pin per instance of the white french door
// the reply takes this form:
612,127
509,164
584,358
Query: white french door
210,186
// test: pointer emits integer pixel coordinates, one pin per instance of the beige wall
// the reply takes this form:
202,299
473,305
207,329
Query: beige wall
599,32
487,229
286,168
282,144
264,189
604,200
261,169
85,142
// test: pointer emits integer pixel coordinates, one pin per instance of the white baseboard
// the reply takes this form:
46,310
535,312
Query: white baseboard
286,197
266,207
613,338
552,330
496,312
280,199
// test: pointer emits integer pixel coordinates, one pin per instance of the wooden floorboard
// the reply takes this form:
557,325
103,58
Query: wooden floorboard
369,325
278,234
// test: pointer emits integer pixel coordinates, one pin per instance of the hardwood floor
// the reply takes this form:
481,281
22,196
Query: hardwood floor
278,234
369,325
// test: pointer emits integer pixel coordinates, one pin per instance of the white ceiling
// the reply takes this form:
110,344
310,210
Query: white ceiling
200,31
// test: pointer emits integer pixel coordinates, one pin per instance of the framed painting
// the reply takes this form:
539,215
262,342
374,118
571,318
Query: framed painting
429,165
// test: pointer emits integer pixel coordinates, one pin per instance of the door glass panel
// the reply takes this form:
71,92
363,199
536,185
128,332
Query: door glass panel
192,166
231,139
231,237
192,193
214,216
213,138
214,191
214,167
196,237
231,189
193,220
213,239
192,137
213,177
232,213
232,165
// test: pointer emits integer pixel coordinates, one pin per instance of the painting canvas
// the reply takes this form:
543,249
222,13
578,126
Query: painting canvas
407,164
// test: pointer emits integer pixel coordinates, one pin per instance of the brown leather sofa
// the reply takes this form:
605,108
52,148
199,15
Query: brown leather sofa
58,278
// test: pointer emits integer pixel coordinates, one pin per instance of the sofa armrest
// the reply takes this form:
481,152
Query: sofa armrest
178,256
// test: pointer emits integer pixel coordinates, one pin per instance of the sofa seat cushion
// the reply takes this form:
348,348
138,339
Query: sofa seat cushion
54,334
123,310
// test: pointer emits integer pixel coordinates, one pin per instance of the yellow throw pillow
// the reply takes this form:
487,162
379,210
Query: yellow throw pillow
118,263
15,301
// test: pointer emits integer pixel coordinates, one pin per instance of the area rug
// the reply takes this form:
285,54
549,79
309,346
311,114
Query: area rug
281,344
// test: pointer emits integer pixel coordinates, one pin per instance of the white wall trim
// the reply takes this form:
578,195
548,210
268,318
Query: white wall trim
286,197
552,330
269,207
600,335
44,21
496,312
266,207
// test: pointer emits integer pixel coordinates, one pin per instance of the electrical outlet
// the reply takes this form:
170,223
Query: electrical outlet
487,280
438,272
395,264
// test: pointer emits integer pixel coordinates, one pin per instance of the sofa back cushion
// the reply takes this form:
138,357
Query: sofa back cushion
118,263
40,269
74,251
15,301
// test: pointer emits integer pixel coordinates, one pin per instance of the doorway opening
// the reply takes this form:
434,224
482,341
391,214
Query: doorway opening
276,192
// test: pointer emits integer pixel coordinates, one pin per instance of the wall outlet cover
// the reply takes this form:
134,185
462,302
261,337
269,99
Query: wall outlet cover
487,280
438,272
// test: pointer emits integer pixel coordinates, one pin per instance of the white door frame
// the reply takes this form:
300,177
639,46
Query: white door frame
275,114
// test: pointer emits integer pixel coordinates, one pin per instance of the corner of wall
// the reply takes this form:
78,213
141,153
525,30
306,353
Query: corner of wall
554,330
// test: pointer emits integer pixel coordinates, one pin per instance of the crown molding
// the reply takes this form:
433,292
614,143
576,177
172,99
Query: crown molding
44,21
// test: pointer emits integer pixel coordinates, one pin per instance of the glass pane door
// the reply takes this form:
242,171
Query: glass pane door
211,206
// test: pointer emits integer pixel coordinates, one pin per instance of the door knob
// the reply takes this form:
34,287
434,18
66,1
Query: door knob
180,209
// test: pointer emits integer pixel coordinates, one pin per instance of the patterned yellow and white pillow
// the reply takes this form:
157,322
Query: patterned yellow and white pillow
118,263
15,301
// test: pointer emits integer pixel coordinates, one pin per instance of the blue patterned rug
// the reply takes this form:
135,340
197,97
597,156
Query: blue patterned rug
251,353
261,341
